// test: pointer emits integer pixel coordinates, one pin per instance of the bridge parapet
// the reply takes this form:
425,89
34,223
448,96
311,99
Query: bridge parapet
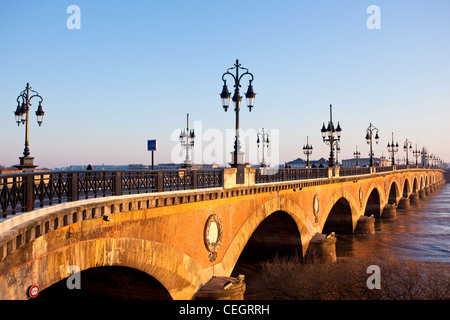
26,191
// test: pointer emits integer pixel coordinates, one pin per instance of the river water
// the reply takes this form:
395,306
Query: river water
421,233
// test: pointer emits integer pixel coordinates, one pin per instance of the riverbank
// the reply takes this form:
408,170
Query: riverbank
347,279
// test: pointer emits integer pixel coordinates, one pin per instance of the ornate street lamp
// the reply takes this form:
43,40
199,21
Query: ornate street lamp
263,139
357,155
331,136
416,154
433,160
187,139
22,116
307,150
407,146
237,154
439,162
369,133
338,150
424,154
392,148
429,158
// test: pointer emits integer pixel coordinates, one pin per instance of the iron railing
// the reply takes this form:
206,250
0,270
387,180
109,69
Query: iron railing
267,175
353,171
384,169
26,191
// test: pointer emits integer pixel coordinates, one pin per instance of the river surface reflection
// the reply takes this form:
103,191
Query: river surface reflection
421,233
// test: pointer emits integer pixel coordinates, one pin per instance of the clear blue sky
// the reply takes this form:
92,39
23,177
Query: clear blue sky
135,68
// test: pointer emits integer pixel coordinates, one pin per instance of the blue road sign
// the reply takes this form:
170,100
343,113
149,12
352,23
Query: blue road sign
152,145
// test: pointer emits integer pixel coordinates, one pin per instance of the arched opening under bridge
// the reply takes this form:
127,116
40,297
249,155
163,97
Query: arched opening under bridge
277,235
339,219
107,283
406,189
373,206
392,199
415,186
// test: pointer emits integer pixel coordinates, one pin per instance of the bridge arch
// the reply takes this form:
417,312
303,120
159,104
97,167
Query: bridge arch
394,193
112,282
406,188
144,255
304,225
373,202
276,235
415,185
339,219
341,212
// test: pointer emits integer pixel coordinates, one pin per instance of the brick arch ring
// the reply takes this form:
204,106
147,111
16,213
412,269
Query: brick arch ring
304,224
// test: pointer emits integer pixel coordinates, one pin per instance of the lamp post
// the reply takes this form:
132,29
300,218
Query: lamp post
407,146
338,150
424,154
307,150
369,133
439,162
357,155
392,148
22,116
416,154
430,160
237,154
187,139
331,136
263,139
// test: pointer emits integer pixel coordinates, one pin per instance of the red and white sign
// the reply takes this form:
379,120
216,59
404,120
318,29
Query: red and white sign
33,291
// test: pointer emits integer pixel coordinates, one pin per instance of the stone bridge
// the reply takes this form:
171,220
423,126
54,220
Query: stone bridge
185,238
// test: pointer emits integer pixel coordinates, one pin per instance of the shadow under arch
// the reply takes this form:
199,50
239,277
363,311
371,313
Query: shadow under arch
303,224
277,235
339,219
394,193
415,188
344,204
406,188
373,204
158,260
107,283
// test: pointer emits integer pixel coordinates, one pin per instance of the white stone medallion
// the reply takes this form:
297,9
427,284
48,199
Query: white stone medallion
212,236
361,197
316,208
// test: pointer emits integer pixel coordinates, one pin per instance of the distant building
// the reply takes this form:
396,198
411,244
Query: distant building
300,163
362,162
384,162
